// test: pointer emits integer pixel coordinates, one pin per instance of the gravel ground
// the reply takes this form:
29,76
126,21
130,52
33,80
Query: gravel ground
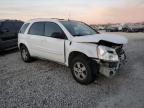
45,84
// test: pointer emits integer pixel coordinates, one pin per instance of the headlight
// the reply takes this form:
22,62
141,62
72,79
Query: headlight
106,53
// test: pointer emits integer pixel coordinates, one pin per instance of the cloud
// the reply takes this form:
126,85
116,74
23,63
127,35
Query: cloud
134,3
129,11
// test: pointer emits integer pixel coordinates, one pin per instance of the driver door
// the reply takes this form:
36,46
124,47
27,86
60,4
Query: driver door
53,42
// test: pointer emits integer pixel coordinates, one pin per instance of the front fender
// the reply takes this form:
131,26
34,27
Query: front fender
87,49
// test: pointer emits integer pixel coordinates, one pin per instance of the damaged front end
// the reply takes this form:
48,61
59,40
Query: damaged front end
111,57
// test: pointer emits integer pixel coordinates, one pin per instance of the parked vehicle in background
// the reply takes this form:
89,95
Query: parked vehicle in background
141,28
9,33
111,29
133,28
101,28
73,44
114,28
95,27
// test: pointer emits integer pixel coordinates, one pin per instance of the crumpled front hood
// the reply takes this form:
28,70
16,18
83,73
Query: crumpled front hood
98,37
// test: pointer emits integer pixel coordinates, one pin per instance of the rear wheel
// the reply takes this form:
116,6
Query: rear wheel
25,55
81,70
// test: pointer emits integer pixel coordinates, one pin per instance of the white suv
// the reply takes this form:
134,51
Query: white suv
73,44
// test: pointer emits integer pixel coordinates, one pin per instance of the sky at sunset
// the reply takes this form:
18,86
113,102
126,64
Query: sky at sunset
89,11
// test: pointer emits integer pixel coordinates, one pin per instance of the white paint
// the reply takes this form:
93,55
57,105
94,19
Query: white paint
98,37
53,48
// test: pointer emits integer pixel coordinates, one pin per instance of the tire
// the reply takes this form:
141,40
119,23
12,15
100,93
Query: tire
25,55
81,70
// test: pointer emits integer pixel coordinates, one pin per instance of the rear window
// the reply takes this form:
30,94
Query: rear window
18,25
23,28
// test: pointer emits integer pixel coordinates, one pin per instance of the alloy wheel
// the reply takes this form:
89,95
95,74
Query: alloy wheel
80,70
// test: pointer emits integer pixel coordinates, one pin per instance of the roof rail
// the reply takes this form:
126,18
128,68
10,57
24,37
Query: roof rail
9,20
57,18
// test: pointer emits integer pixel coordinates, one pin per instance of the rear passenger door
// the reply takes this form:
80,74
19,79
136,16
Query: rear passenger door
35,38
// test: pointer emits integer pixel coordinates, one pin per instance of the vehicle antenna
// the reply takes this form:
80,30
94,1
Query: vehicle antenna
69,15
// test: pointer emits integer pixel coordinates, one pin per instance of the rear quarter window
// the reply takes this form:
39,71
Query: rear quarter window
23,28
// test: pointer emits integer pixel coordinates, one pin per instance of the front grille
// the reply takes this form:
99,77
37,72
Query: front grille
119,51
109,64
113,64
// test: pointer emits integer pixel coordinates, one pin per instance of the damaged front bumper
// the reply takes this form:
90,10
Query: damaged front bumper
110,68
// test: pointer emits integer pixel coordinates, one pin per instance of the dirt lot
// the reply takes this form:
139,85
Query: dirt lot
45,84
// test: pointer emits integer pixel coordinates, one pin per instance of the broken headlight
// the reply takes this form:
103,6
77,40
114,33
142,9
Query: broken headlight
106,53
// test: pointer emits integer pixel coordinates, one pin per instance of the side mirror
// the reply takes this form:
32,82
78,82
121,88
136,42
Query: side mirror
59,35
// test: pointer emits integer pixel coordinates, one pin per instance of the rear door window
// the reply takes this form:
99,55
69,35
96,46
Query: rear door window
37,28
23,28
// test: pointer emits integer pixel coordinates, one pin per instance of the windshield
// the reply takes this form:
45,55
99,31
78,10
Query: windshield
78,28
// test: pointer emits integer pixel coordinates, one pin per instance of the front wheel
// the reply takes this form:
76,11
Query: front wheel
25,55
81,70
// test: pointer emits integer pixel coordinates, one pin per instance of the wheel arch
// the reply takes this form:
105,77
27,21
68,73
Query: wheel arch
74,54
22,44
